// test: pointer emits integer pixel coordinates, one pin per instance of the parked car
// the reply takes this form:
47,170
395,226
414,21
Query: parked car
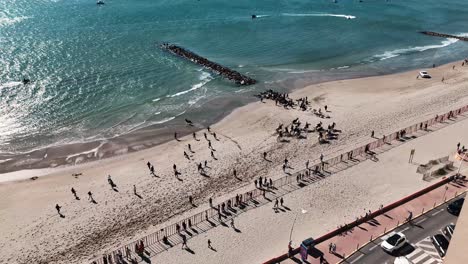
402,260
448,231
455,206
394,242
440,243
424,74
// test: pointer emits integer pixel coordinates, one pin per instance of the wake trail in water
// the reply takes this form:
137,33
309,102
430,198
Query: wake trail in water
319,15
10,84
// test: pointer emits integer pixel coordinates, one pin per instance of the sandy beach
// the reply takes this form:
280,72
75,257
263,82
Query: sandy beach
33,232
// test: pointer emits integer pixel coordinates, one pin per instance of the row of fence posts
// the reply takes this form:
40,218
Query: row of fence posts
209,213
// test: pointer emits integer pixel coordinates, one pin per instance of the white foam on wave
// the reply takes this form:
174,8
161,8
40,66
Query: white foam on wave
395,53
343,67
205,77
156,99
10,84
164,120
260,16
6,21
93,151
319,15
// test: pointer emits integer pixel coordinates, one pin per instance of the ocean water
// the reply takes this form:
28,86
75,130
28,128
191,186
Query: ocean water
97,71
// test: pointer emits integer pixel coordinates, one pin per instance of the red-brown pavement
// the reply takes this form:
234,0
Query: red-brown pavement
359,236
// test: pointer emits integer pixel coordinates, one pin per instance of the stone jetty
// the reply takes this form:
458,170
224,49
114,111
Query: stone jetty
430,33
219,69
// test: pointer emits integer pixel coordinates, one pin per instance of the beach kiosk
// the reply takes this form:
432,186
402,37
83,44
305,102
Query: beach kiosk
305,246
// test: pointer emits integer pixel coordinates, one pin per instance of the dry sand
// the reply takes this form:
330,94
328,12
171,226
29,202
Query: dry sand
32,232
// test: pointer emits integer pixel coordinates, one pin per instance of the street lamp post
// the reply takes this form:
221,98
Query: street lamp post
294,222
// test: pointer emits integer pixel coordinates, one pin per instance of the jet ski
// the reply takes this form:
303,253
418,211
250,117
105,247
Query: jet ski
254,16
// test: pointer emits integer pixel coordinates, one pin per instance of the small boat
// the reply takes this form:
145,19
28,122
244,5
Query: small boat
254,16
26,81
100,2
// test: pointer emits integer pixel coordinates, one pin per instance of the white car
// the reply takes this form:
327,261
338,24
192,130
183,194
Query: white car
394,242
424,74
402,260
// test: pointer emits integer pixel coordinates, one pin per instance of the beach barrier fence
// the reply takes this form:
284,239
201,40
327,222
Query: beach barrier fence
129,252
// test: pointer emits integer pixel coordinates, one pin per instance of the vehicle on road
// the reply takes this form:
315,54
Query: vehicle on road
455,206
394,242
440,243
402,260
424,74
448,231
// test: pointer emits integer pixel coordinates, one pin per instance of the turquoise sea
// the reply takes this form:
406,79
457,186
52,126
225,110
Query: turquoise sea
96,71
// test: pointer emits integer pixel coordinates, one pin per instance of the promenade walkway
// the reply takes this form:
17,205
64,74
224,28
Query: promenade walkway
349,242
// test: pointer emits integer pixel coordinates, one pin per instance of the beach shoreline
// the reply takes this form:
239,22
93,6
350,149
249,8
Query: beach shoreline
382,104
43,161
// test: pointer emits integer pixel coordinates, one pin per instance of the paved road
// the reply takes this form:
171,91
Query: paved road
419,249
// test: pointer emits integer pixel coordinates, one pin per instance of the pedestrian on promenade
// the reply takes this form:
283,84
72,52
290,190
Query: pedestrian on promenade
209,129
232,223
235,173
210,201
276,204
190,199
271,183
255,182
330,246
184,226
206,164
134,190
204,134
186,155
195,136
264,155
372,134
190,148
458,146
215,137
260,182
411,156
175,136
152,170
90,196
148,164
281,201
212,155
177,228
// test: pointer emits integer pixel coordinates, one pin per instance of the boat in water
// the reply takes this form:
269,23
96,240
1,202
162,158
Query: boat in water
100,2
